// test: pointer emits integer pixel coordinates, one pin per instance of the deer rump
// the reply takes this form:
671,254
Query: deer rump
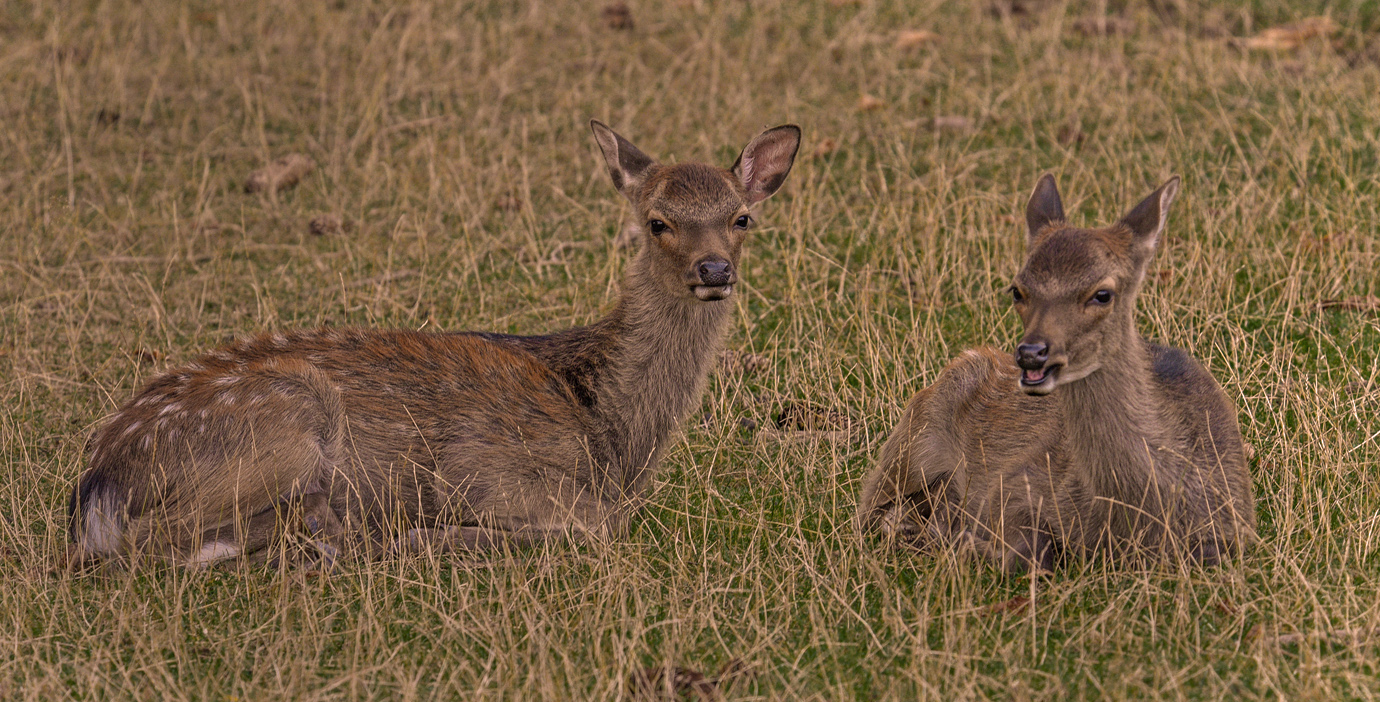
400,430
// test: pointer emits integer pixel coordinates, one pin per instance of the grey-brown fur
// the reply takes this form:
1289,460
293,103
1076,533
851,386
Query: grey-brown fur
401,439
1091,440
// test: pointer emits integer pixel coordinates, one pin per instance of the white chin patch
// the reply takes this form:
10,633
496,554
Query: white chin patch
709,293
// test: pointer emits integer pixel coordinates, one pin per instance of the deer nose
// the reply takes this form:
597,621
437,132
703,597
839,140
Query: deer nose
1032,356
715,272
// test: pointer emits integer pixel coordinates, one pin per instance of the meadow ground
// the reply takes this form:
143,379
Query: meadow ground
452,143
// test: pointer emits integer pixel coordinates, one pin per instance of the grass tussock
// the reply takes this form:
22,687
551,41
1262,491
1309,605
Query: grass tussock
456,186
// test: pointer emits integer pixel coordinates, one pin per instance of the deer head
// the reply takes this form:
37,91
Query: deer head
1076,294
694,217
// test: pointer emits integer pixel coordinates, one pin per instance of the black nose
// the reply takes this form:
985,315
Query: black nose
1032,356
715,273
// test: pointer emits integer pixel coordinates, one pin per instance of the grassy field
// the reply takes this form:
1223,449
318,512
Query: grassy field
452,143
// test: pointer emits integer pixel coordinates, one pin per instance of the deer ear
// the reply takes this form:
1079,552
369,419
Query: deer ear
1044,206
627,165
765,161
1147,219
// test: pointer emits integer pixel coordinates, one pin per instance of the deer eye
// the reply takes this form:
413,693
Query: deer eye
657,226
1101,297
742,222
1016,295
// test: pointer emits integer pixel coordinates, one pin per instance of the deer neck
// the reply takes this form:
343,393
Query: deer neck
1115,423
660,354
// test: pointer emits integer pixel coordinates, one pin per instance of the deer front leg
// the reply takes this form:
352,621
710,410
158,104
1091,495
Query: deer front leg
536,513
896,497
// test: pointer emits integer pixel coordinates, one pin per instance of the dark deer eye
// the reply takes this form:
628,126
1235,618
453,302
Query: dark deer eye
657,226
1016,295
1101,297
742,222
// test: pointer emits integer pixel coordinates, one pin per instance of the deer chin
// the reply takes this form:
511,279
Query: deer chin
1040,382
709,293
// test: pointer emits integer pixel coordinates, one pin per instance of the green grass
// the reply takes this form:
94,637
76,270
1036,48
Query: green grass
453,143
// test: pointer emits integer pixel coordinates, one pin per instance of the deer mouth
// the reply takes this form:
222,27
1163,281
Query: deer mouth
709,293
1039,381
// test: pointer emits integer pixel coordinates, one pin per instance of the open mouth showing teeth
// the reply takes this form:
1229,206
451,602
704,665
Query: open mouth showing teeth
708,293
1040,379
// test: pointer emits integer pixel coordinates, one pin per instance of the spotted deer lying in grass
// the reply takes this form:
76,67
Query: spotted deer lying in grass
1090,440
388,439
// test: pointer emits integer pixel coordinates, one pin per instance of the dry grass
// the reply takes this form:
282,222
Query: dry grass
451,144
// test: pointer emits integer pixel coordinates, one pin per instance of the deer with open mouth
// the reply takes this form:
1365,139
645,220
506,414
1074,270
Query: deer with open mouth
1089,440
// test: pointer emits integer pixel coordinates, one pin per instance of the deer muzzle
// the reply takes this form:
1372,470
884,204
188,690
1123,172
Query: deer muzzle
713,279
1038,375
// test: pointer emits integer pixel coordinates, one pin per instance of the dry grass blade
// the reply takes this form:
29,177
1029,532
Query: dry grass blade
1339,637
1103,25
915,38
1289,37
1360,303
280,175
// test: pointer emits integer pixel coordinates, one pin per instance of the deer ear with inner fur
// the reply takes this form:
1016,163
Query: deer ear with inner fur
1146,220
1044,207
627,165
765,161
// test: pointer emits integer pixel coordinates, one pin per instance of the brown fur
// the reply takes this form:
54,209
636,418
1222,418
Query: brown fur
430,440
1128,448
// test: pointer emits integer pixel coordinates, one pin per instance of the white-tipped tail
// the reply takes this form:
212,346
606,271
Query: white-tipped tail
102,525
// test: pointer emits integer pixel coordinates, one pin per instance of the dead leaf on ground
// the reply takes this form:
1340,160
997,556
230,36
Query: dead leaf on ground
952,123
1103,26
808,416
508,202
617,15
1324,242
279,175
1288,37
742,362
667,682
326,225
1012,8
915,38
1360,303
825,147
1015,604
382,279
660,682
869,103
